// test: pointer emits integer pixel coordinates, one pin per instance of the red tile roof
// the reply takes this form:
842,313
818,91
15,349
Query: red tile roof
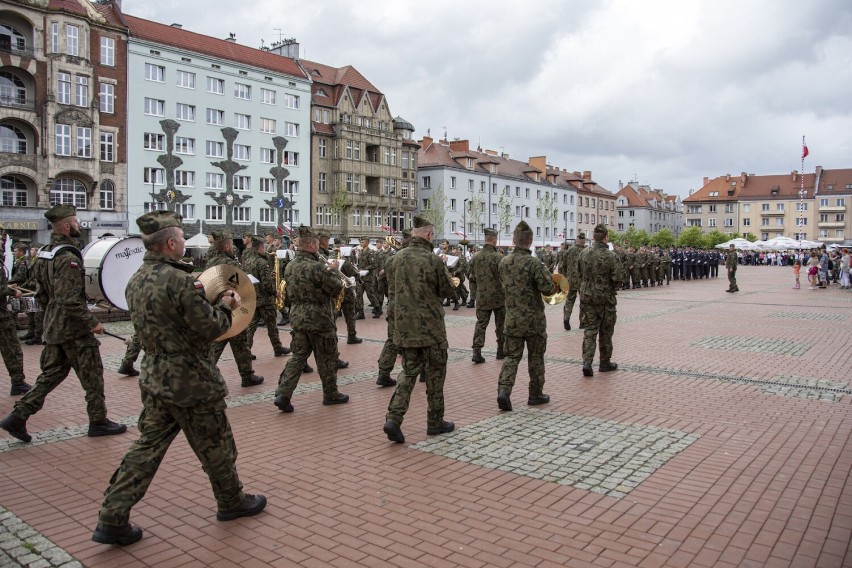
335,81
744,187
642,196
210,46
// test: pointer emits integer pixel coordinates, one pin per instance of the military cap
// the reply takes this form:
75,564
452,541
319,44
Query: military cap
522,226
21,246
406,233
338,241
152,222
490,232
256,241
323,234
307,232
601,229
421,221
60,212
581,235
222,235
36,245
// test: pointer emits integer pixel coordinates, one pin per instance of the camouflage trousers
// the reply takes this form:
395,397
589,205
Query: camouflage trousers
348,309
35,322
132,352
324,348
732,280
10,348
359,298
514,348
208,432
483,316
387,359
432,361
267,315
635,277
569,305
372,292
600,325
241,351
82,355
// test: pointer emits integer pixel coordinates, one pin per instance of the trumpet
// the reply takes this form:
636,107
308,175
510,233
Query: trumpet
394,244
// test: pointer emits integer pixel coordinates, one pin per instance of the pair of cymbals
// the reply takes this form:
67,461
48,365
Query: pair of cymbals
224,278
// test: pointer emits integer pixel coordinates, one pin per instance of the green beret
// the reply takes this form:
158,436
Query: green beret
522,226
490,232
601,229
421,221
307,232
60,212
406,233
152,222
581,235
323,234
222,235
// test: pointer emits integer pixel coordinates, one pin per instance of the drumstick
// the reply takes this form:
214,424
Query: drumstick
105,332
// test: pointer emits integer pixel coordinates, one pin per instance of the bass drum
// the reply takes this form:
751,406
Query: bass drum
109,263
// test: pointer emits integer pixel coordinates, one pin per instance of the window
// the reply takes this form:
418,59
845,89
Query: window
186,79
155,107
840,202
801,221
215,86
186,210
107,98
403,188
215,181
215,117
291,129
267,125
184,178
323,182
746,207
268,215
322,144
764,207
72,39
823,202
839,217
452,182
779,221
693,222
185,112
12,139
242,183
184,145
12,90
267,185
155,73
214,212
107,146
242,91
242,152
68,191
242,121
63,140
14,192
267,155
764,222
729,208
154,141
779,207
356,217
746,222
215,149
107,194
153,175
54,38
801,206
291,158
81,92
291,187
267,96
712,209
107,51
470,185
711,222
290,101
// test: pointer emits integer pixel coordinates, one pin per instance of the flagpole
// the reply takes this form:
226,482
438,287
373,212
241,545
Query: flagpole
802,194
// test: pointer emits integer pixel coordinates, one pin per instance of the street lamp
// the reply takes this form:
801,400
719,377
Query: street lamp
464,218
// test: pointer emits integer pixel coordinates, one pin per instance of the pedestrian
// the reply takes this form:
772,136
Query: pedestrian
731,265
524,279
387,358
181,388
568,267
10,345
69,331
256,262
600,278
797,267
813,269
420,282
485,280
844,270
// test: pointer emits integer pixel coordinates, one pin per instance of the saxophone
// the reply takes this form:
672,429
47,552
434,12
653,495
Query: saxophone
280,284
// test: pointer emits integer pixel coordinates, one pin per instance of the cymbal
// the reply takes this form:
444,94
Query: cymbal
559,296
224,277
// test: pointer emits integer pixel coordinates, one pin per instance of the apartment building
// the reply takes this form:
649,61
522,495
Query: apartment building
363,160
468,190
218,131
62,127
595,204
645,209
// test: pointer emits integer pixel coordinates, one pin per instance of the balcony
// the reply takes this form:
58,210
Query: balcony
832,208
772,213
18,102
20,51
831,224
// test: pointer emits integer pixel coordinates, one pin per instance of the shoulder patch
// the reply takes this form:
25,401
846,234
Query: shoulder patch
198,285
74,264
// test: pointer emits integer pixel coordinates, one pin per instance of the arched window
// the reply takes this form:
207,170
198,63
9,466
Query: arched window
12,139
13,91
10,39
70,191
107,194
14,192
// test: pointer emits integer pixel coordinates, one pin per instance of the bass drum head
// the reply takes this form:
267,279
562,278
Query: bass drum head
110,262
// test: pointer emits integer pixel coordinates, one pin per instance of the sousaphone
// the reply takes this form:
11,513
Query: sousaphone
224,278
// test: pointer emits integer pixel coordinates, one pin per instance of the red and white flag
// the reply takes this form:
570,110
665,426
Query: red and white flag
804,150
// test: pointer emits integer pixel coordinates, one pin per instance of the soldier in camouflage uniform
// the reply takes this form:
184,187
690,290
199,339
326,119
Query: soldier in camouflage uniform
222,252
665,268
601,275
633,266
485,278
70,330
368,260
420,281
35,320
549,259
653,267
182,390
10,346
256,263
130,355
20,275
313,286
731,266
348,307
460,270
524,279
568,267
387,358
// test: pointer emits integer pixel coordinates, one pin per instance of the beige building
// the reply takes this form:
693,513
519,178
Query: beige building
594,203
363,160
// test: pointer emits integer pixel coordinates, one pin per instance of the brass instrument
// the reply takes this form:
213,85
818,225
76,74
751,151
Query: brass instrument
557,297
280,284
456,281
347,283
394,244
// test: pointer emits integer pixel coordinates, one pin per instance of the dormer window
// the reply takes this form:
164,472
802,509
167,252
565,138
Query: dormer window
470,163
714,194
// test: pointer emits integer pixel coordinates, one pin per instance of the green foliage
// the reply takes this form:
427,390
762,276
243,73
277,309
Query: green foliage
715,237
663,238
750,237
635,238
616,238
691,237
436,210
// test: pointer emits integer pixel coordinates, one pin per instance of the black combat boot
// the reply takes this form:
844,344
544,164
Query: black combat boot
353,339
471,304
127,369
500,353
538,399
503,401
251,381
283,403
106,428
119,536
341,364
17,427
280,351
385,380
606,366
393,431
566,324
477,356
251,505
587,369
336,398
20,388
455,306
444,428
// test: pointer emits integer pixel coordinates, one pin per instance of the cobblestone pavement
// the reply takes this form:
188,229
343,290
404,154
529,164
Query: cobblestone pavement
722,440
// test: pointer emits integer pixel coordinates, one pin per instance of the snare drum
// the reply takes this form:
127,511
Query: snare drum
29,304
109,263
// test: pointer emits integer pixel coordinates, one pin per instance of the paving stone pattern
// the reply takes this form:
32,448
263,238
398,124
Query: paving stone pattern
754,344
584,452
21,545
818,316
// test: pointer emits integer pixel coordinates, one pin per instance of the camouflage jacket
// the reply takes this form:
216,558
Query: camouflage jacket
485,272
390,267
549,260
61,289
20,272
420,282
216,257
312,290
176,324
601,275
368,259
524,279
460,269
568,264
258,266
246,256
731,261
5,293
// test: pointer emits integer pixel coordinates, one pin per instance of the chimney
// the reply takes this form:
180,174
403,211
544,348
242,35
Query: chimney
490,152
794,174
587,176
727,177
232,38
743,178
539,163
706,181
620,185
178,26
460,145
425,142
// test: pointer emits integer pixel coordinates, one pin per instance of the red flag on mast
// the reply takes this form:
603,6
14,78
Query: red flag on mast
804,151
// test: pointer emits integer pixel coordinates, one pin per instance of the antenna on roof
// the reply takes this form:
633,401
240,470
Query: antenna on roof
445,133
280,33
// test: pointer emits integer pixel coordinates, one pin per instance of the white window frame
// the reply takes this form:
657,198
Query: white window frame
63,88
72,40
242,152
155,73
185,79
268,125
185,112
291,129
154,141
81,91
242,121
107,146
107,98
107,51
84,142
213,180
218,149
267,96
242,91
155,107
291,101
215,117
63,140
215,85
184,145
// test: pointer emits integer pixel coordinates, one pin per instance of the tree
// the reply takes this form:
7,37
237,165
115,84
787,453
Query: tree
691,237
635,238
715,237
340,204
546,213
475,213
750,237
435,209
504,212
617,239
663,238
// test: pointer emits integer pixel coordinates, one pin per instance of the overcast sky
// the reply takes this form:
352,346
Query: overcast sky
661,91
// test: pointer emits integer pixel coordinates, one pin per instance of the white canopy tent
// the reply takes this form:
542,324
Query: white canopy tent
199,241
739,243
